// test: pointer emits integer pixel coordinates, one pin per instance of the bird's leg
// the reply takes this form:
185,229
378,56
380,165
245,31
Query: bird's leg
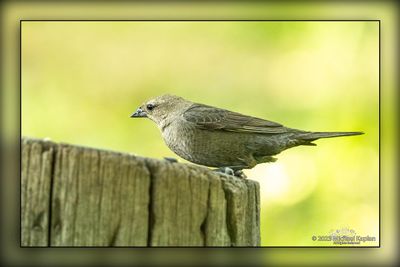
233,170
238,171
172,160
225,170
240,174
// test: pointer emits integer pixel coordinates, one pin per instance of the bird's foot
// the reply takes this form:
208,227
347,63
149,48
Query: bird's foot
225,170
172,160
230,171
240,174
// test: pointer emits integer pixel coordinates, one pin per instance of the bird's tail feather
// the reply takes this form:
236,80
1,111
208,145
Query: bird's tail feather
311,136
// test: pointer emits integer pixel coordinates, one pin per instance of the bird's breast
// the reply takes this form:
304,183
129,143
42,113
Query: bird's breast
181,139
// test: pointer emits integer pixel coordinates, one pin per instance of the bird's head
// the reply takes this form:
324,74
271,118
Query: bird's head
161,108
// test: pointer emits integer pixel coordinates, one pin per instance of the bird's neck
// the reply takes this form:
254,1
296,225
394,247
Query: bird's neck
164,124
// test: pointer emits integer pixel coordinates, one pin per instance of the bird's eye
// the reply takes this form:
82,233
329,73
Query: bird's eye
150,106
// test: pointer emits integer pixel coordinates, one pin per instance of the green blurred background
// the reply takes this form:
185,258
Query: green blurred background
82,80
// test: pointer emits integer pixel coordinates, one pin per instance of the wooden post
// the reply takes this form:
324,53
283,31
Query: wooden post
78,196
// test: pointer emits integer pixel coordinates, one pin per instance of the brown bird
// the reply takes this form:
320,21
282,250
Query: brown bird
221,138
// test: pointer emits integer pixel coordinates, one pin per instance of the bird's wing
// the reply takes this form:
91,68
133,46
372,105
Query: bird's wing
211,118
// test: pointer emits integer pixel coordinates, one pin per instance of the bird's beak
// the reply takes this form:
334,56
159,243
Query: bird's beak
139,113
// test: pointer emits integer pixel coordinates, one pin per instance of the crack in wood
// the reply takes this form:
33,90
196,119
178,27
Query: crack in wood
130,201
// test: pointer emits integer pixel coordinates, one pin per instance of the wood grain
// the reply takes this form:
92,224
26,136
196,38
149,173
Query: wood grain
79,196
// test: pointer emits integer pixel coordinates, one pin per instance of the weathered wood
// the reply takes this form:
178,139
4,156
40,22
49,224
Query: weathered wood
78,196
100,198
37,159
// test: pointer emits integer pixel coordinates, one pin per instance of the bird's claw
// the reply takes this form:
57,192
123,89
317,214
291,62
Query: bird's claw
230,171
240,174
225,170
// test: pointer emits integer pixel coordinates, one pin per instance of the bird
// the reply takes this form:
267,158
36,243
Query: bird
216,137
